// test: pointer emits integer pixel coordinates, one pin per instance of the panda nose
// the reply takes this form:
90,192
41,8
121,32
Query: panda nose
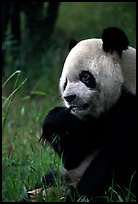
70,98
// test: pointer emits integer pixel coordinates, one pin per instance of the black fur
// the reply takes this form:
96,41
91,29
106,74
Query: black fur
88,79
114,131
72,44
114,39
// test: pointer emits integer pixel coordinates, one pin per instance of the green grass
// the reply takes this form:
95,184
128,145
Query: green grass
26,102
24,158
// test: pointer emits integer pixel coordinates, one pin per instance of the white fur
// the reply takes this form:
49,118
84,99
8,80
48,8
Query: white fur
128,65
109,70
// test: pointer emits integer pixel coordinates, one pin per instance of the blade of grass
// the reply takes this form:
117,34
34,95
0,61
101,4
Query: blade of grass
16,72
10,97
12,94
129,190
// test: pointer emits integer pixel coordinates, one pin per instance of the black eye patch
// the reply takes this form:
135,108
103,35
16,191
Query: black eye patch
65,84
88,79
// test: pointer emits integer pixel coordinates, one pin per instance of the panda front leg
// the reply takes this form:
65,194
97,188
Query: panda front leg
98,174
95,180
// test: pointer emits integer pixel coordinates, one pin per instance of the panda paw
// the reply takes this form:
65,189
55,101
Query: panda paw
56,122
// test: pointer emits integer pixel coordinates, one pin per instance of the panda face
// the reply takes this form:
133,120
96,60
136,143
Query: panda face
91,79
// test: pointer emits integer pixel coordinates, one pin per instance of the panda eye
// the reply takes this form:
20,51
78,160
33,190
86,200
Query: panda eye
88,79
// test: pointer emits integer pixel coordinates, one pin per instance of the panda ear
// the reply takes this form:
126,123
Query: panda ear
72,44
114,39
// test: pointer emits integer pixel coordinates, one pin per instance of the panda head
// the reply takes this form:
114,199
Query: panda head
91,79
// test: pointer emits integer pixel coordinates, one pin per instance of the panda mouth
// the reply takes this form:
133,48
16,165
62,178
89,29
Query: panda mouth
75,108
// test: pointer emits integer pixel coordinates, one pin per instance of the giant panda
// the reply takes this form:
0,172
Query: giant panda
95,131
